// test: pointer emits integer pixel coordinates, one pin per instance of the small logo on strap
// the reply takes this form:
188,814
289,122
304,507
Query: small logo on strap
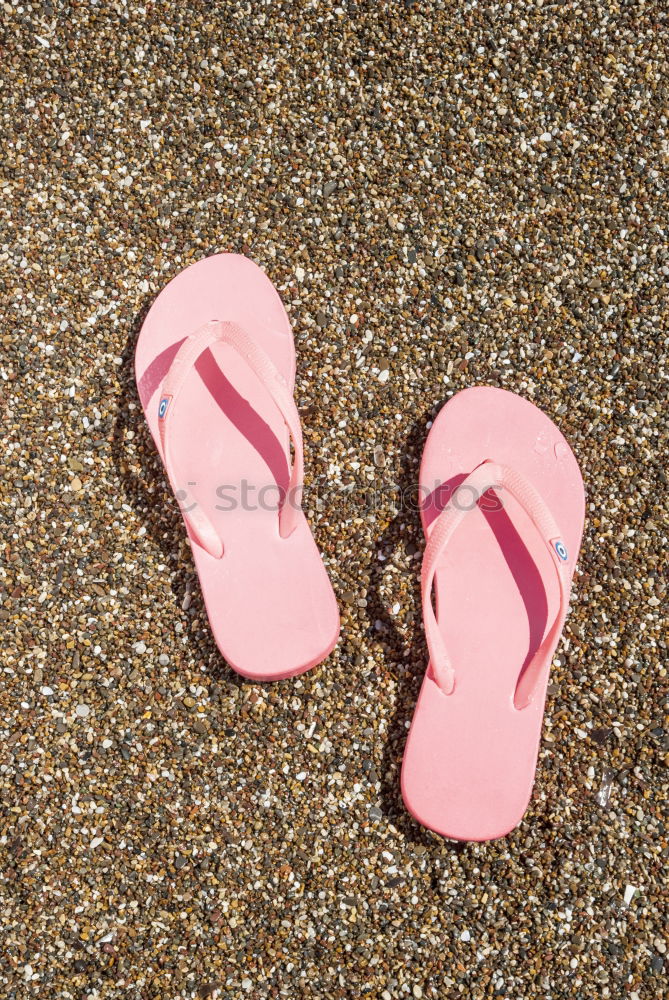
561,550
162,408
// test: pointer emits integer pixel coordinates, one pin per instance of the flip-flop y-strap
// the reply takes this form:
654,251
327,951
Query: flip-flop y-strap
199,526
489,476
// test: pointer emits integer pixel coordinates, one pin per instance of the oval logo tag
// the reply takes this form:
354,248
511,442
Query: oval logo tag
561,550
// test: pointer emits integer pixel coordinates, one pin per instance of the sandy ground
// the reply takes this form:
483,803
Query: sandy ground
446,194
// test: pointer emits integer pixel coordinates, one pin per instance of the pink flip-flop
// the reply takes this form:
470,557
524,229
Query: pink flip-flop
215,367
502,509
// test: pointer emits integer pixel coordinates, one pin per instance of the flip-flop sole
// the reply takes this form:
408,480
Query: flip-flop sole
470,758
269,600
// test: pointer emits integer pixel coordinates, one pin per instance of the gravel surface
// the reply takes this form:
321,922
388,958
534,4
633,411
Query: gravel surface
446,194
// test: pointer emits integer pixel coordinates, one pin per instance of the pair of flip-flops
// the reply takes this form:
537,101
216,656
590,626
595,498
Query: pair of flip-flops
503,508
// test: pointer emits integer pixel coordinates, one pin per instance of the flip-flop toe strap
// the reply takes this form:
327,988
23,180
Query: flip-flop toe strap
490,475
199,525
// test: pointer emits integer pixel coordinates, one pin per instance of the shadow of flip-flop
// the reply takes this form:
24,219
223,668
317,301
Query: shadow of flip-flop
146,490
405,652
134,454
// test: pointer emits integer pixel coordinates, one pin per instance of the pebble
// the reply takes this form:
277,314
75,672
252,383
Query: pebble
379,457
445,195
629,894
83,711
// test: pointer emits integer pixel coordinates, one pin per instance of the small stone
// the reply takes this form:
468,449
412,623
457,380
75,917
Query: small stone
629,894
76,485
604,793
465,936
83,711
329,188
208,989
417,992
375,813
